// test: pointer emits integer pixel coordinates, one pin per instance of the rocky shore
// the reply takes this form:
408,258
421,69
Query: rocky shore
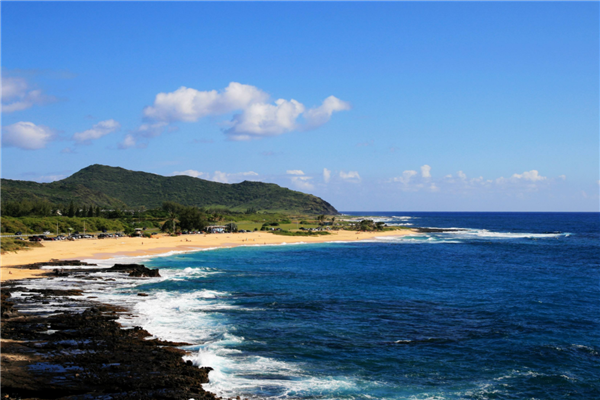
58,344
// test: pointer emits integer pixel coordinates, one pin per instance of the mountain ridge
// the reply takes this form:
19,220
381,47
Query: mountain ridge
102,185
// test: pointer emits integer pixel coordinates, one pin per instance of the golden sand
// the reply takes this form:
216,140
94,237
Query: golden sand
159,244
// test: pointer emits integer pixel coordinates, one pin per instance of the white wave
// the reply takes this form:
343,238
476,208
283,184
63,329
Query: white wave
183,274
238,374
461,235
410,239
585,348
518,374
484,233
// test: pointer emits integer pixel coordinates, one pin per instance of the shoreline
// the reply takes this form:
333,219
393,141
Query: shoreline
56,329
14,265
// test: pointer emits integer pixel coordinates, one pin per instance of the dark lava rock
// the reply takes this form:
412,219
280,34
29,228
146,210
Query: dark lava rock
87,355
136,270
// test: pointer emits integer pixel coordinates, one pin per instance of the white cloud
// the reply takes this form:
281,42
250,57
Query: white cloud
144,132
318,116
50,178
294,172
406,177
26,135
515,185
256,118
100,129
128,142
351,176
532,176
218,176
326,175
221,177
16,95
151,130
426,171
192,173
13,87
261,119
302,182
225,177
187,104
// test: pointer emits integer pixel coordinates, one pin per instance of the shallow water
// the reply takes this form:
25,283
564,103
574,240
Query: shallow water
506,309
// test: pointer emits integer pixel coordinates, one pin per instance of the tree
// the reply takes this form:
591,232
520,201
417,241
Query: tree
170,223
171,206
90,212
190,218
71,212
231,227
366,225
40,208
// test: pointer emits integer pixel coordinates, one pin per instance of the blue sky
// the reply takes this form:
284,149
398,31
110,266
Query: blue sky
470,106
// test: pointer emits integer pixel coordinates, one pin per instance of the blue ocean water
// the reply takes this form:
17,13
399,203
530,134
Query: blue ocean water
506,309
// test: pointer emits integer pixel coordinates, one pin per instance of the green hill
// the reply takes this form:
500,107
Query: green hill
105,186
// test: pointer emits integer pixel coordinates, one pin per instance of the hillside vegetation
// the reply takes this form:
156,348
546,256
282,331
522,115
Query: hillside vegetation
113,187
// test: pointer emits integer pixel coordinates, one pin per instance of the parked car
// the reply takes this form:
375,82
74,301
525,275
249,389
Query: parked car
18,233
35,239
19,238
47,233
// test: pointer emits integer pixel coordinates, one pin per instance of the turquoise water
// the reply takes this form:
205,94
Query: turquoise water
507,309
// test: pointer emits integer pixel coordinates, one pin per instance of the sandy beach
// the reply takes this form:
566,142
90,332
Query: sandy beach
159,244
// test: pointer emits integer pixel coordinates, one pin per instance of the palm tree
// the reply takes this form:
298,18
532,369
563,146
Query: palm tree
171,219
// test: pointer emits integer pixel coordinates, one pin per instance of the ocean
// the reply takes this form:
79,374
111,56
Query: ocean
507,308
